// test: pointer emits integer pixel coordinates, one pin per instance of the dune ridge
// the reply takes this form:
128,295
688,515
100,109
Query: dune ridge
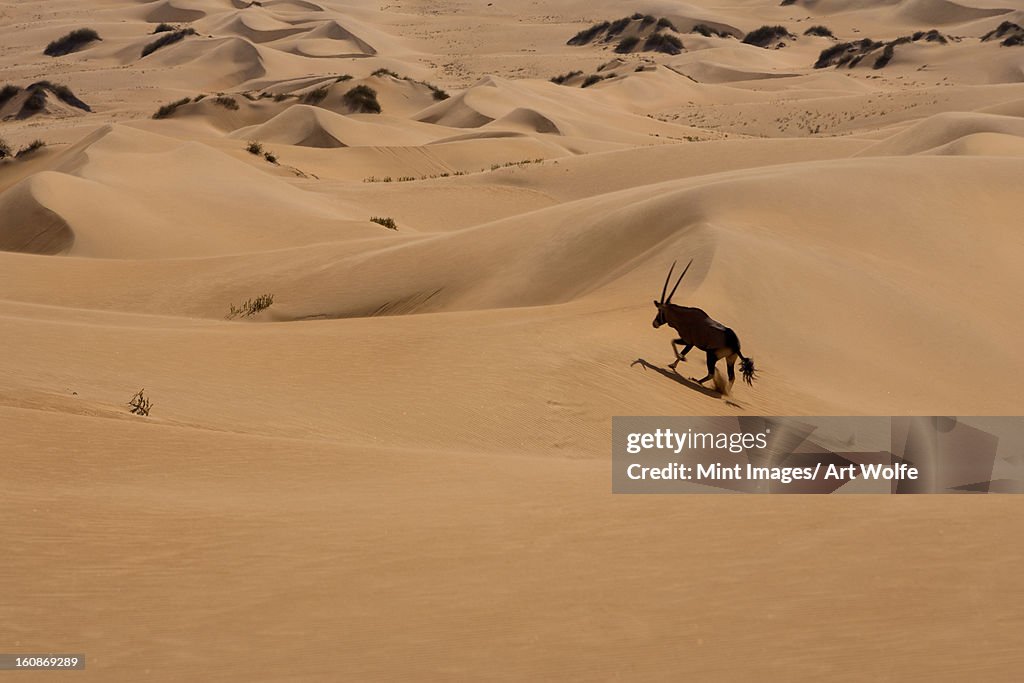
386,274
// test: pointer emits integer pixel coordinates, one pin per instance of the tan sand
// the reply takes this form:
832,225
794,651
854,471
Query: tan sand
400,469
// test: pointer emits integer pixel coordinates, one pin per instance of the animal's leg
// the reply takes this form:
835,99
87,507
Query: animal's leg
712,359
732,369
679,356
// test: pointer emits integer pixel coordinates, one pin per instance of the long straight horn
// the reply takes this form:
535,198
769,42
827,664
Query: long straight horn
678,281
664,287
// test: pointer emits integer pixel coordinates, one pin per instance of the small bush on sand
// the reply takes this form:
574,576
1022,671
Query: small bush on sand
226,102
886,56
163,28
767,35
314,96
31,147
5,149
72,42
388,223
250,307
62,92
7,93
167,39
608,30
35,103
627,44
846,53
1007,28
591,80
37,94
362,98
256,147
663,42
140,405
618,26
821,31
166,110
709,31
436,92
932,36
588,34
559,80
833,55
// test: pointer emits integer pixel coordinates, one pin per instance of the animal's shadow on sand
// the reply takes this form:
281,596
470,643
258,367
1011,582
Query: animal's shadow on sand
685,381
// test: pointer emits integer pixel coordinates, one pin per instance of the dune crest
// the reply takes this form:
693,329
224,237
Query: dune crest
316,315
27,225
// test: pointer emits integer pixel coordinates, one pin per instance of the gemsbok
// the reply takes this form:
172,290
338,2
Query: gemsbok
697,328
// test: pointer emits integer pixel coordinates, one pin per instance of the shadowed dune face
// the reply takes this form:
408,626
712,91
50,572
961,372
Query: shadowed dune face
175,11
386,279
27,225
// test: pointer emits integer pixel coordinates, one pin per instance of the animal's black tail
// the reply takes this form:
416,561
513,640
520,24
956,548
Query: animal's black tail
746,364
747,368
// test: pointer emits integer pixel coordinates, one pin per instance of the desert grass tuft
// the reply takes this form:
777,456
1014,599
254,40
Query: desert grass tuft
7,93
168,109
140,405
229,103
30,148
388,223
72,42
362,98
767,35
627,44
559,80
314,96
166,39
663,42
250,307
821,31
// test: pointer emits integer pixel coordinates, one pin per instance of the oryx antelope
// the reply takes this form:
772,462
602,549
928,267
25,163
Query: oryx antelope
697,328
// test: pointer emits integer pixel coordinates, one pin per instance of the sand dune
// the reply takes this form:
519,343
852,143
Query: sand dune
257,27
492,99
218,62
35,229
332,39
100,200
176,10
397,468
315,127
945,12
942,129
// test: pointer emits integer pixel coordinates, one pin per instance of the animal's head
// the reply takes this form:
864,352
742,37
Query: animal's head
663,305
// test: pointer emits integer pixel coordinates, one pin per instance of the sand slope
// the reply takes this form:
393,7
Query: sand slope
399,469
